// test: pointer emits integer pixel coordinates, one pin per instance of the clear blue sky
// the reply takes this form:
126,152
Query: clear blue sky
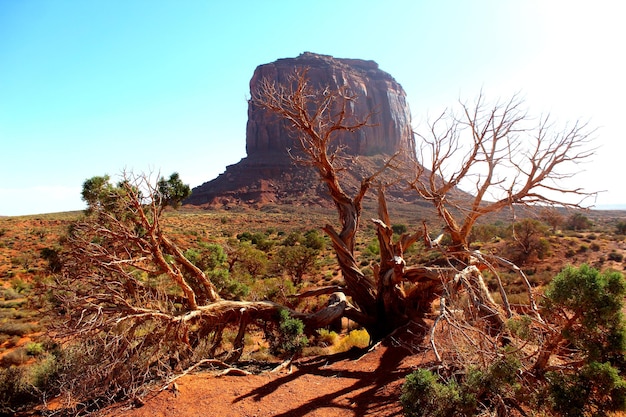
95,87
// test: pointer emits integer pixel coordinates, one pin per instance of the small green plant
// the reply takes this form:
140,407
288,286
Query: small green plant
290,339
34,349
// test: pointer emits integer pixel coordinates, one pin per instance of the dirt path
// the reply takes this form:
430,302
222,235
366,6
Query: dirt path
341,385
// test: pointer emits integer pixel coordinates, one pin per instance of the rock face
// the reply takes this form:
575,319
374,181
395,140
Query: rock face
378,94
269,175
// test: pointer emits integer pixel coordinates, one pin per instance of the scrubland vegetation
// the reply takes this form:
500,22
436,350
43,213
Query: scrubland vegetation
240,246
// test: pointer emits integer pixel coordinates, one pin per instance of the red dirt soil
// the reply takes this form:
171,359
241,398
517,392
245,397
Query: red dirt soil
343,385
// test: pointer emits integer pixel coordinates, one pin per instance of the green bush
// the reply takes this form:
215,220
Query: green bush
51,255
588,335
578,221
596,332
596,389
22,387
296,261
398,229
227,286
425,394
34,349
596,299
290,339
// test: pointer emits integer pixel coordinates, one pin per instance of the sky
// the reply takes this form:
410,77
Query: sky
152,86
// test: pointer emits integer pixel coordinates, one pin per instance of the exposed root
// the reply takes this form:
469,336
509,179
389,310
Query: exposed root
285,364
233,371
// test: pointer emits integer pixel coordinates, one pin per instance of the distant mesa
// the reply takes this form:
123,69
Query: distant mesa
268,174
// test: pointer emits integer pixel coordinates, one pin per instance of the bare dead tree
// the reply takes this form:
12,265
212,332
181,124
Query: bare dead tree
134,306
494,153
503,161
317,116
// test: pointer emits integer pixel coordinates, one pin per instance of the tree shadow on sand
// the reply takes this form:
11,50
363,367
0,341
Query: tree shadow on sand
369,387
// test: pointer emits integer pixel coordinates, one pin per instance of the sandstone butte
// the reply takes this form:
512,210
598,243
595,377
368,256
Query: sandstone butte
269,175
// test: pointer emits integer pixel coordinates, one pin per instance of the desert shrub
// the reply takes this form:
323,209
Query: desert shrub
373,248
20,285
596,389
277,290
248,259
207,257
9,294
596,334
260,240
485,232
290,338
520,326
296,261
13,328
34,348
595,247
597,299
358,338
51,255
16,392
620,227
528,239
577,222
424,395
227,286
587,333
615,256
314,239
471,393
292,239
326,337
398,229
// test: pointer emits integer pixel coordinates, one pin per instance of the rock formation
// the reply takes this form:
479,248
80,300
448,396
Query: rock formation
268,174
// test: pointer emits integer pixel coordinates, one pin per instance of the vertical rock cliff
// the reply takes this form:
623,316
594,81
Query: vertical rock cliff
268,174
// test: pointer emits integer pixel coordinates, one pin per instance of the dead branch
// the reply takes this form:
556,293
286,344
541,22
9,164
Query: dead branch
498,164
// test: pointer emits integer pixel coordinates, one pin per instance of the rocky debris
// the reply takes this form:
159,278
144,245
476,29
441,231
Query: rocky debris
269,175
